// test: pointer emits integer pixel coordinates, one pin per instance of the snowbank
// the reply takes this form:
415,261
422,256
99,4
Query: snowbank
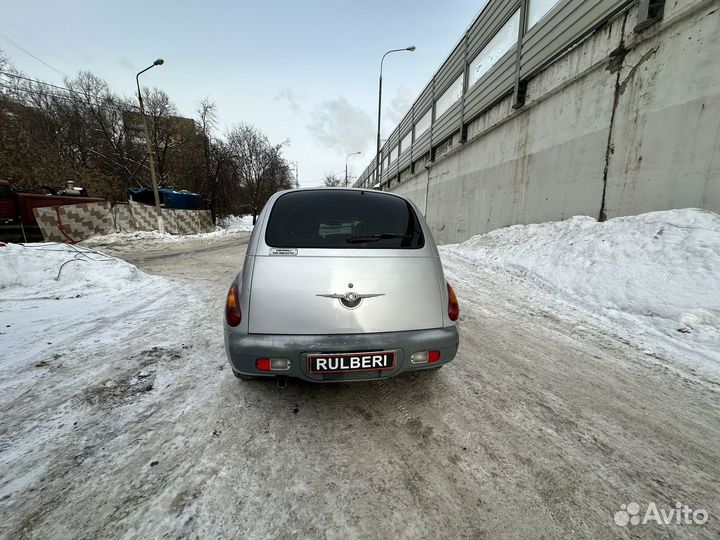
229,227
156,238
655,277
236,223
52,295
57,271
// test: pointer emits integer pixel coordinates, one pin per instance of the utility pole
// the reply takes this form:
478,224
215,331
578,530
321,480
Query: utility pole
297,181
148,146
377,149
346,165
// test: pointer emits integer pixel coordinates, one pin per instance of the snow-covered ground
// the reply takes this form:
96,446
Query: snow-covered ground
655,278
228,228
51,271
237,223
149,238
51,293
119,417
60,306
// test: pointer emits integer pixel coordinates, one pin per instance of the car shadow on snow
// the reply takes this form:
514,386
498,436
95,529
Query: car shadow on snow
404,398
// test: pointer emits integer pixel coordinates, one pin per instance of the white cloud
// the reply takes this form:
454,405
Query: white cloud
399,106
292,98
340,126
125,63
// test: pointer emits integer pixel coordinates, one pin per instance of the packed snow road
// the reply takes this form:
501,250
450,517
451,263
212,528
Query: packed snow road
543,426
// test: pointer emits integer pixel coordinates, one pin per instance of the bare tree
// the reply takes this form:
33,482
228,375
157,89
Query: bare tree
93,132
165,134
258,168
332,180
89,134
215,156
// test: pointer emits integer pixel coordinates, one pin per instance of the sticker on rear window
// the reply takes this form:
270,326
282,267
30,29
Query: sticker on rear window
283,251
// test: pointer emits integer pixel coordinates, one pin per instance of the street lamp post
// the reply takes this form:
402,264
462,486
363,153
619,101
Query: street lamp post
148,146
297,181
377,149
346,160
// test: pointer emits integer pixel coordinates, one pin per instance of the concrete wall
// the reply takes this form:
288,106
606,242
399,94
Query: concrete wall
76,222
624,123
144,218
666,134
72,223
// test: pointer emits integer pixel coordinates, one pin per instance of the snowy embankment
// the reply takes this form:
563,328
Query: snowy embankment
73,323
655,277
227,228
52,294
237,223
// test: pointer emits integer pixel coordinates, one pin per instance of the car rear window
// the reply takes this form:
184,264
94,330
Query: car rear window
343,220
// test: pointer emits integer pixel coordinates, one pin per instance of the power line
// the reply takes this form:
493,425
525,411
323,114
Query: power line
63,97
31,54
16,76
36,92
63,88
38,43
66,97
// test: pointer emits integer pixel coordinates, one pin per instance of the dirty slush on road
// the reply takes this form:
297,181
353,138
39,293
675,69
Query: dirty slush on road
541,427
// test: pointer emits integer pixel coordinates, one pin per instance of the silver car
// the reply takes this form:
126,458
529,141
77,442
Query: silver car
340,285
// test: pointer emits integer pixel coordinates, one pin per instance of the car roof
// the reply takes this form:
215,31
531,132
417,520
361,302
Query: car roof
323,188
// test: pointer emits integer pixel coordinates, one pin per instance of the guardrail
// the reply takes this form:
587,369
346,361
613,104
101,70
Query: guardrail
508,43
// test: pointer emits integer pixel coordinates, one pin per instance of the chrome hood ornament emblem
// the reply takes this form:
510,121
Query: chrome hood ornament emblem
350,299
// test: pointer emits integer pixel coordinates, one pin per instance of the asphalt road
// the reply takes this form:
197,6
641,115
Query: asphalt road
541,428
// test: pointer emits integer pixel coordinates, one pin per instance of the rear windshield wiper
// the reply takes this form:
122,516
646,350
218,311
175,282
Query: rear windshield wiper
360,238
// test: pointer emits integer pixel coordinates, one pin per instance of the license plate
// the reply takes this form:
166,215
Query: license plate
351,362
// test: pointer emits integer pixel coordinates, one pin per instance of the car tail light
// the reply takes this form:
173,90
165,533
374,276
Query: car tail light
263,364
279,364
424,357
272,364
453,306
233,316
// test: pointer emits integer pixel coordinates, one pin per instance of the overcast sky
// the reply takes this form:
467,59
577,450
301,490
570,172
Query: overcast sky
304,71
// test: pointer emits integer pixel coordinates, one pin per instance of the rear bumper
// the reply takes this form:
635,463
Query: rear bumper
244,349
